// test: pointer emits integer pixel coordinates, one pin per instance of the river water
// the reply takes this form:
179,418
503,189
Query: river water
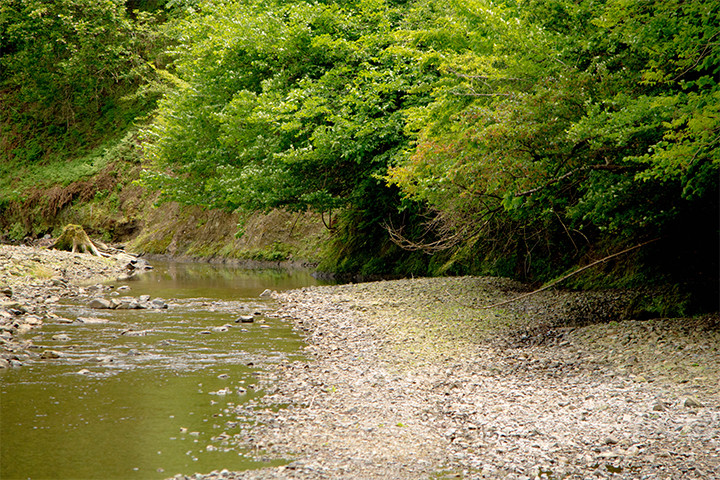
148,393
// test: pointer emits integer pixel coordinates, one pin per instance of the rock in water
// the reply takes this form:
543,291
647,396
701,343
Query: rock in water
51,354
92,320
100,303
158,303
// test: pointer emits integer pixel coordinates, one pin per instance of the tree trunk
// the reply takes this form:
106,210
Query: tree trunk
74,239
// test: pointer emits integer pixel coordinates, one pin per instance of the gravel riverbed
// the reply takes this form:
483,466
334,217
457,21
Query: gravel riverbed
412,379
34,280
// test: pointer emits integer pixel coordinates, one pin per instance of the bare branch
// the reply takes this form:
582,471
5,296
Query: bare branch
552,284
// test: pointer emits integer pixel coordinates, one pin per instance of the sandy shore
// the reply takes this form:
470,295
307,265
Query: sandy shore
411,379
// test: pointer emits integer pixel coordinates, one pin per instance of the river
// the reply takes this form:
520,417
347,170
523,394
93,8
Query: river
148,393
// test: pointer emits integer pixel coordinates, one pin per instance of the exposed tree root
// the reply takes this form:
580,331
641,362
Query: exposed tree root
74,239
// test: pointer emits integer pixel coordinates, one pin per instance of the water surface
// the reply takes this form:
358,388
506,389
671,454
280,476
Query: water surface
137,397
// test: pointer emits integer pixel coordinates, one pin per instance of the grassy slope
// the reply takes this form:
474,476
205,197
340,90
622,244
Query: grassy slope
95,189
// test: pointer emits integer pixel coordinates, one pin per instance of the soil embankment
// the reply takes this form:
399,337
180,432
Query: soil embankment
409,379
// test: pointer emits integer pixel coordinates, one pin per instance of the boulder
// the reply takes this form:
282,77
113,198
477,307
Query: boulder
100,304
158,303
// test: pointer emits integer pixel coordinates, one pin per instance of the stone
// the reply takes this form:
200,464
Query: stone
144,298
9,306
245,319
92,320
266,293
33,320
219,329
135,333
23,329
158,303
61,337
659,407
100,304
51,354
611,441
692,403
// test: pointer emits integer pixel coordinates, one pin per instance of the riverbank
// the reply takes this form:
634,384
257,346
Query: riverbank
415,379
412,379
34,280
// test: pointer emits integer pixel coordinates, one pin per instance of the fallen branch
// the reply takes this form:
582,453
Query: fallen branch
551,284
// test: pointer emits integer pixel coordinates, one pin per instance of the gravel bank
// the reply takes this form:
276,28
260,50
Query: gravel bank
410,379
33,281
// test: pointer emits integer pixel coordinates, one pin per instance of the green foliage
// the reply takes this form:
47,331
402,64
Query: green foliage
570,120
290,105
283,105
64,68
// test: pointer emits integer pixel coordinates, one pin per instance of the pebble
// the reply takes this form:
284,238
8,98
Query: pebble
51,354
692,403
22,294
431,395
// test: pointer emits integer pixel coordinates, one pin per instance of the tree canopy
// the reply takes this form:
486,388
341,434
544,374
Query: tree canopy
539,125
64,67
515,137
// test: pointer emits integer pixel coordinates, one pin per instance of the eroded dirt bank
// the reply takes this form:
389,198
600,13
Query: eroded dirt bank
409,379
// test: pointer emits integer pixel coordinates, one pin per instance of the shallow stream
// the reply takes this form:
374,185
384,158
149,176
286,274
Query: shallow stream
147,394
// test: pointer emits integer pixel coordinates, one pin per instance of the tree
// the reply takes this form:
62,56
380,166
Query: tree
64,67
288,105
568,121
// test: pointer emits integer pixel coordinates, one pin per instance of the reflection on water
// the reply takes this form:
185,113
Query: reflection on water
136,397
